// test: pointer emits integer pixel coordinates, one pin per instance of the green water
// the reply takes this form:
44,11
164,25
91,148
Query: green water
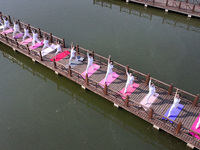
42,111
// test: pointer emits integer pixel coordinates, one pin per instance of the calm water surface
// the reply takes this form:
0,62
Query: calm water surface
42,111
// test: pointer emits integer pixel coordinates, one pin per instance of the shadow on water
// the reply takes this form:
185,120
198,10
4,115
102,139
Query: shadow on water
125,120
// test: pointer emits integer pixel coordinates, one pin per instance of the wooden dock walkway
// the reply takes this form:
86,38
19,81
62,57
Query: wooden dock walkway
137,11
186,7
189,8
180,127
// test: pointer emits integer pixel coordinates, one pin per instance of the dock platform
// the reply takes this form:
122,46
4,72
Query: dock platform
154,113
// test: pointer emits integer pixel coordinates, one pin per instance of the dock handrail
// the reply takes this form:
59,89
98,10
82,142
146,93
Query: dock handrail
158,83
187,96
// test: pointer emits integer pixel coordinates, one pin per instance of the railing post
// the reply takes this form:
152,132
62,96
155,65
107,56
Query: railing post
86,79
56,40
50,38
127,68
170,89
1,16
150,113
70,72
195,100
178,127
45,35
193,8
41,56
17,43
179,5
105,89
29,28
77,49
126,101
63,43
167,3
9,19
147,79
19,24
39,32
28,49
54,63
6,38
93,54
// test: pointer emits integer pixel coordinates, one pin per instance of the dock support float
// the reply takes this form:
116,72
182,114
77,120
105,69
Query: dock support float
166,10
14,49
127,1
83,87
190,145
33,60
56,73
116,105
156,127
189,16
145,5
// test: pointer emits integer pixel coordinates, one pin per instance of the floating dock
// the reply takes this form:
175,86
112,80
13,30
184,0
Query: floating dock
186,7
180,125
